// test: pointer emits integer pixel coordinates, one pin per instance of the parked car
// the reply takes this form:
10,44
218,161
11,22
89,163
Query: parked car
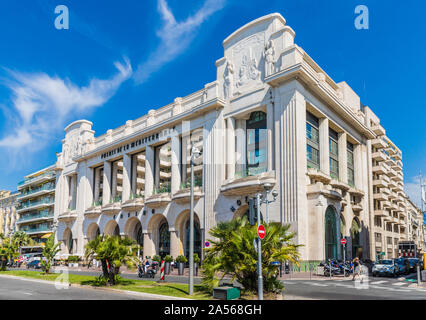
35,264
386,267
413,262
403,265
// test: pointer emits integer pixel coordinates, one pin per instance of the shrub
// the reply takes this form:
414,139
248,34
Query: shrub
181,259
157,258
196,258
168,258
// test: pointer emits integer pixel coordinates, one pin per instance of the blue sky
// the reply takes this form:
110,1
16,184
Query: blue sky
121,58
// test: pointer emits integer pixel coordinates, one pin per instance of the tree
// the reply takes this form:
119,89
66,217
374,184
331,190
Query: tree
113,252
21,239
50,250
234,255
8,251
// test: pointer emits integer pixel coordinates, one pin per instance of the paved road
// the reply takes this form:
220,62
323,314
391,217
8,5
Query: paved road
17,289
345,289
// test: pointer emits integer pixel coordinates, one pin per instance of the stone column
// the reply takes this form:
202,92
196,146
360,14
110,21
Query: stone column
148,245
114,179
230,148
358,166
270,126
106,192
175,158
127,172
149,171
174,243
343,157
185,155
240,154
324,146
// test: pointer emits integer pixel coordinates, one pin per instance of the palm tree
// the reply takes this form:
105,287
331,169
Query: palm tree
233,254
50,250
21,239
7,252
113,252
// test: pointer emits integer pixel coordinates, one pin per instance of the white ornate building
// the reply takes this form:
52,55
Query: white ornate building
271,116
8,214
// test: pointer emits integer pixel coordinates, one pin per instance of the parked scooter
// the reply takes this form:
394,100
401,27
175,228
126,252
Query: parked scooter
335,270
150,273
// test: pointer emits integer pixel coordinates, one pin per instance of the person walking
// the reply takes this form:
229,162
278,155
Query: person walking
357,269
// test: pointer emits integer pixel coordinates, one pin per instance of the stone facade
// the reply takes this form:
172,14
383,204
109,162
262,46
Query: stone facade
8,212
272,116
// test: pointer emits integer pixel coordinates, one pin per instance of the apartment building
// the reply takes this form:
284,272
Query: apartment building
36,204
271,118
8,212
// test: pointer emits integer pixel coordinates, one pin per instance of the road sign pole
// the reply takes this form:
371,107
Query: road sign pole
344,260
259,253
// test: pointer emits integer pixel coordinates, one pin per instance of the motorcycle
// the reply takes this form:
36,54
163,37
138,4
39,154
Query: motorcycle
150,273
335,270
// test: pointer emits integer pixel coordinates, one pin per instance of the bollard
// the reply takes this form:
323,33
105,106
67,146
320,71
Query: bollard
330,269
162,270
418,275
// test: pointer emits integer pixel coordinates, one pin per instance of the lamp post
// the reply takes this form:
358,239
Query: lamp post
195,153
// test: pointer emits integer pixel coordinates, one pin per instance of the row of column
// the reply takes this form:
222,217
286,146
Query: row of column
149,172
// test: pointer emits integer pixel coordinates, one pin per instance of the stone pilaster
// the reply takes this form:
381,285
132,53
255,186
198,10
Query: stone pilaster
127,171
343,157
106,192
324,145
175,158
149,171
230,148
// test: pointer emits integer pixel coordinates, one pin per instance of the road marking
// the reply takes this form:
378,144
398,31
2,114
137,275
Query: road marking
27,293
398,284
379,282
316,284
344,285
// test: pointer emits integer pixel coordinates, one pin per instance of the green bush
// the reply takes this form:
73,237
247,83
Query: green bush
181,259
168,258
196,258
157,258
73,259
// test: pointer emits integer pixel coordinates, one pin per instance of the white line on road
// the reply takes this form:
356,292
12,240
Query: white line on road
379,282
316,284
344,285
27,293
398,283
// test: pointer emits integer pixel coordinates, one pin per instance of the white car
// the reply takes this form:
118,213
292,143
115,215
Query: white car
385,267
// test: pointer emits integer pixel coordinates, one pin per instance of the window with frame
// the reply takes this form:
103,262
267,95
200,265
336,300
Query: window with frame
312,141
350,161
334,154
257,143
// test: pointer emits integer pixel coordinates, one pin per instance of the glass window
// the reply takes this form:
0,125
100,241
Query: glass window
334,154
312,141
163,164
257,137
350,160
195,139
138,175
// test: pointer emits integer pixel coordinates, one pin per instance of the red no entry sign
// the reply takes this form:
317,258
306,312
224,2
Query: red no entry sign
261,231
343,241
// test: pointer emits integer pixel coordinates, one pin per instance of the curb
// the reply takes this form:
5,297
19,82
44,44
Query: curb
134,293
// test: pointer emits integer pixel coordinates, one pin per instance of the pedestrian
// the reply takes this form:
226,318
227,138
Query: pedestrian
146,265
357,269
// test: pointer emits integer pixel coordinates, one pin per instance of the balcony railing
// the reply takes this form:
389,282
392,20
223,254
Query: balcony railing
198,182
41,214
29,204
249,172
163,188
47,187
43,228
44,175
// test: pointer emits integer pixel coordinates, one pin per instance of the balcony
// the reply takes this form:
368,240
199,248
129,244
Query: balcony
39,179
95,210
184,195
34,205
317,175
318,189
380,196
380,183
398,156
113,207
31,230
68,216
158,200
244,184
381,168
378,129
380,212
357,207
391,151
379,156
40,216
339,185
36,192
134,204
378,143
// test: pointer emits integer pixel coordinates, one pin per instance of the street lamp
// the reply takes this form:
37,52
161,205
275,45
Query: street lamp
195,153
268,188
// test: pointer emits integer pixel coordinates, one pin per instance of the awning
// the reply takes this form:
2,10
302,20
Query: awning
47,235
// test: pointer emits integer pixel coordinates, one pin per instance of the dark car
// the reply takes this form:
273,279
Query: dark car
35,264
403,265
413,262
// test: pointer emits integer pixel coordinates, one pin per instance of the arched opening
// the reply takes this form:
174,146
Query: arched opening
256,143
133,230
244,211
112,228
330,234
197,238
182,226
163,239
93,231
355,235
68,241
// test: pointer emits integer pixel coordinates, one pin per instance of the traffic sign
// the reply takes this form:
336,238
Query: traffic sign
206,244
261,231
343,241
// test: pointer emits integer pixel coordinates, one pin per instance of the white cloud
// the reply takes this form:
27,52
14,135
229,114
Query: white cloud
42,104
175,36
412,189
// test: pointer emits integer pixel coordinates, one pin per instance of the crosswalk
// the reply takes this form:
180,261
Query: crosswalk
368,283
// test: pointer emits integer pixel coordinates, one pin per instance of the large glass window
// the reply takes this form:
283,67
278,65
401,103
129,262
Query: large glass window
138,175
257,143
98,185
350,156
164,239
195,139
312,141
163,165
117,180
334,154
